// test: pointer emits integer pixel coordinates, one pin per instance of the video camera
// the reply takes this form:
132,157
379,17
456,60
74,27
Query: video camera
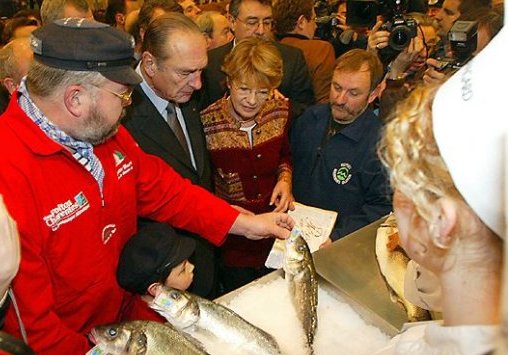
326,19
363,13
330,20
463,37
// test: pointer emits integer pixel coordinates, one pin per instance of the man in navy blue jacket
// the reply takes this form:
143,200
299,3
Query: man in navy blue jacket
335,164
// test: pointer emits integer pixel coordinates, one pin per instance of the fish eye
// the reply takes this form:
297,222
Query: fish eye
301,248
112,332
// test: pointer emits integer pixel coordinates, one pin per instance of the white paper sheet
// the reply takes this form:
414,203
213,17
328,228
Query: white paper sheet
316,225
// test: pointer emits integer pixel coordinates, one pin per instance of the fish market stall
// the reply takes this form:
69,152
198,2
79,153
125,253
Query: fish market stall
355,312
350,265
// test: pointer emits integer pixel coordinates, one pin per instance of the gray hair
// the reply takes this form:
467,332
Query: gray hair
161,31
52,10
205,22
45,81
8,59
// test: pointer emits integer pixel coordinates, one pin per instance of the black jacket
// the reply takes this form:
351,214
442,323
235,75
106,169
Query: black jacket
154,136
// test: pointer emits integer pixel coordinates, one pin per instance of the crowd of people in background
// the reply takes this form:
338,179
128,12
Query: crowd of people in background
257,103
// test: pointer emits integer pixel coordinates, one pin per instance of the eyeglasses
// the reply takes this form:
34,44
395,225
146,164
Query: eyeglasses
243,91
254,23
125,96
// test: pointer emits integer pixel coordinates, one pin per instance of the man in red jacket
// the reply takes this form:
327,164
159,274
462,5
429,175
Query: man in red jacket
75,181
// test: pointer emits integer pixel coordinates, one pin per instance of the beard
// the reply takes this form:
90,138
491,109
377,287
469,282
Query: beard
95,129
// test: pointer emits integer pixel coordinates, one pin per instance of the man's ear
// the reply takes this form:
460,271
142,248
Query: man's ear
300,23
208,40
75,99
149,64
443,223
231,22
10,85
120,19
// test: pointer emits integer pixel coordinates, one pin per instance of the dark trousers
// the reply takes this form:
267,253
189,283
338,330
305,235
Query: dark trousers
205,260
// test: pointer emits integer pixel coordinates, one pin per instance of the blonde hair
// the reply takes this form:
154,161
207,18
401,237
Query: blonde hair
254,61
409,151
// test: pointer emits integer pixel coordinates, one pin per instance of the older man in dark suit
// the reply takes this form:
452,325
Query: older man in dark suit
249,18
165,121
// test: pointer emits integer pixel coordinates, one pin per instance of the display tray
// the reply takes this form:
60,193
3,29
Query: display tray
370,317
342,326
350,266
348,269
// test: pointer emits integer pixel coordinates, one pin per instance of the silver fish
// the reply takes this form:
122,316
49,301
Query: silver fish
202,317
392,261
143,337
300,274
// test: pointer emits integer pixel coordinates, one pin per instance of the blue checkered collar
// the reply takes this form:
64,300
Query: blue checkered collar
28,106
81,151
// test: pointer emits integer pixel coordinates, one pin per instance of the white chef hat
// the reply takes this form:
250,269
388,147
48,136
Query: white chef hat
470,117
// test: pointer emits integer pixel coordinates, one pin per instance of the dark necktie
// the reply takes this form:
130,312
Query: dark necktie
176,127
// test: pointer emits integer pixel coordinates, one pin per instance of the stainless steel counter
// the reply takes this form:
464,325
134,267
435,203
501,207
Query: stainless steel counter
349,268
350,265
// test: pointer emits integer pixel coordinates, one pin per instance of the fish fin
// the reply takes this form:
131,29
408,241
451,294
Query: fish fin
137,344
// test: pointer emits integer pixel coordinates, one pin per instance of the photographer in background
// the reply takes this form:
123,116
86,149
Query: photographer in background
332,26
489,23
393,32
406,70
295,25
451,11
347,23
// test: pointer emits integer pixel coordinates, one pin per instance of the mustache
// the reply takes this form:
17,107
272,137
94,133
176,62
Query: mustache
344,108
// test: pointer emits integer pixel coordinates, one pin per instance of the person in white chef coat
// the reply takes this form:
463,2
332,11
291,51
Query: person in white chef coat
447,171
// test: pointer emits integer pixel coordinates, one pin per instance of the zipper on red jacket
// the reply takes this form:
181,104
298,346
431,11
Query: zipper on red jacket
101,193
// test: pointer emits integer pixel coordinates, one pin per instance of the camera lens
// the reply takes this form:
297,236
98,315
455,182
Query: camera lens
400,37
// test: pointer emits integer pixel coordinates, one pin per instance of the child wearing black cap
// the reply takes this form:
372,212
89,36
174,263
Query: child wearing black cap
154,257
